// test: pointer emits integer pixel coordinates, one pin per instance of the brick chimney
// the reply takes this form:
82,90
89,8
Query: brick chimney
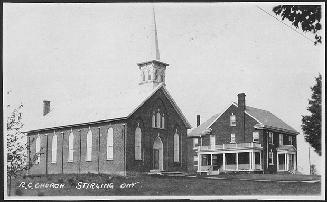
46,107
241,101
198,120
242,107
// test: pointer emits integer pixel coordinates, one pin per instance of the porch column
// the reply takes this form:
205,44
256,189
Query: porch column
286,161
250,160
211,160
236,160
277,162
260,160
199,161
224,162
253,160
295,162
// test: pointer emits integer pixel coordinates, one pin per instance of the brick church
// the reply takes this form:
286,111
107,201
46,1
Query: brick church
135,131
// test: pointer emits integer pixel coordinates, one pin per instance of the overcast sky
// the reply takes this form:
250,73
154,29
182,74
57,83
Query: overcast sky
66,52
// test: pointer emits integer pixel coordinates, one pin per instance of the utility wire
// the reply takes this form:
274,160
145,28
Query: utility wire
285,24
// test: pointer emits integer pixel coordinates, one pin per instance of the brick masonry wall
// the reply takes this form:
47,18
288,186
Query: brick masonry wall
79,164
222,129
143,116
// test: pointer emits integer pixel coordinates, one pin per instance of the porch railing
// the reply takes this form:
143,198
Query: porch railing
230,146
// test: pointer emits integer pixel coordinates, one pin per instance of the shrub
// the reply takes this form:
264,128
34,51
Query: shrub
18,192
60,180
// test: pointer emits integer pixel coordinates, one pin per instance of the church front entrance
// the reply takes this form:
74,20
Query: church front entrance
158,154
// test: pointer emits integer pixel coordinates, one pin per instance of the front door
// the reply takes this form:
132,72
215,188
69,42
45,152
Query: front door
156,159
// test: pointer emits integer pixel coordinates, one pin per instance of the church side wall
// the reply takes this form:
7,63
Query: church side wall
79,164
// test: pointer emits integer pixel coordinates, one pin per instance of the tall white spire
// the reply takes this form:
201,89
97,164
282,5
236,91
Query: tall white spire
156,45
152,70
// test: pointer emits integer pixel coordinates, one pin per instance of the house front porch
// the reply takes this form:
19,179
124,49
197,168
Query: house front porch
229,157
286,158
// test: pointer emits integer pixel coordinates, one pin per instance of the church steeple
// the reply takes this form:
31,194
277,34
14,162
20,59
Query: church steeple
156,48
153,70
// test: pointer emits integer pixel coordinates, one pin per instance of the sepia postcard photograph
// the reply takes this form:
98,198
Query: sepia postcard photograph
158,100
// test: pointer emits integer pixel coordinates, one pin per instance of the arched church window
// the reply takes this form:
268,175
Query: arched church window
153,119
163,121
38,148
54,149
158,119
138,143
149,75
71,147
176,147
89,145
110,144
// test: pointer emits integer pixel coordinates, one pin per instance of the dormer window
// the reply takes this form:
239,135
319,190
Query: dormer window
232,120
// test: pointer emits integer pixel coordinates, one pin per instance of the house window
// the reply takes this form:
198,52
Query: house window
271,158
38,149
212,140
54,149
110,144
280,139
158,119
256,137
176,147
232,138
138,143
163,121
143,76
271,138
89,146
71,147
232,120
195,142
290,140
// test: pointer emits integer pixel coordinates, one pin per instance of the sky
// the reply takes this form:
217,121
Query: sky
67,52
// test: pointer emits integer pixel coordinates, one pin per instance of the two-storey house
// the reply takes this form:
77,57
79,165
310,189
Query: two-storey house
243,138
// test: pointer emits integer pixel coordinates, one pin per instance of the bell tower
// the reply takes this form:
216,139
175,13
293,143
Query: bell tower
153,70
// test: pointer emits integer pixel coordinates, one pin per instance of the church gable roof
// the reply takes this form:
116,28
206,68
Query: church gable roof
115,106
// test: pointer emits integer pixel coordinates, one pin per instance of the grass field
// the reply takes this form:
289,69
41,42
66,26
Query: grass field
105,185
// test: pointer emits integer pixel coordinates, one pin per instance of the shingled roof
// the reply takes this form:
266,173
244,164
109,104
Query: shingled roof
264,118
120,105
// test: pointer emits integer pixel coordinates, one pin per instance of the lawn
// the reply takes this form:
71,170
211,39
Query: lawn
105,185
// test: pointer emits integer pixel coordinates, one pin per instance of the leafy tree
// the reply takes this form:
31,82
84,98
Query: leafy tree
16,145
308,16
311,124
